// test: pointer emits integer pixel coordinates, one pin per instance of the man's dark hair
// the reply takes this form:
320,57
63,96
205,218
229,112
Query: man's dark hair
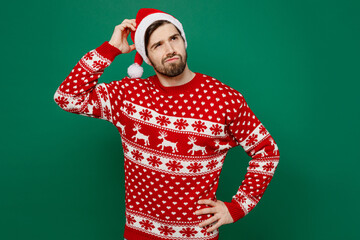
152,28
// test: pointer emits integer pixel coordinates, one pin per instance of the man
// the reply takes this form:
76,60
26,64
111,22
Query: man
176,129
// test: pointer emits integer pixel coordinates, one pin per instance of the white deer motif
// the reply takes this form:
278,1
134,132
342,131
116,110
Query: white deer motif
221,146
262,151
195,147
167,143
273,144
139,135
122,127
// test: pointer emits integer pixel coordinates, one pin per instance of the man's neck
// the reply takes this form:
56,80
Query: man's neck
185,77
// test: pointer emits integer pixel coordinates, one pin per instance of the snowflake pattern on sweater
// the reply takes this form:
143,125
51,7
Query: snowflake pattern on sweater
175,140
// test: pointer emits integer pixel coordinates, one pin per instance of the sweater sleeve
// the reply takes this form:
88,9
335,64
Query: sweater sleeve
253,137
80,92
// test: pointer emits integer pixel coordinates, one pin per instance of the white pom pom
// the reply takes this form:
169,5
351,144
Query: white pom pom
135,70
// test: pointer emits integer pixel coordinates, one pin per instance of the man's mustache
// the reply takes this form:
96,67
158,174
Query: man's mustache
172,57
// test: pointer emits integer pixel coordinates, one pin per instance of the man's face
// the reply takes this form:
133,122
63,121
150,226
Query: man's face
165,43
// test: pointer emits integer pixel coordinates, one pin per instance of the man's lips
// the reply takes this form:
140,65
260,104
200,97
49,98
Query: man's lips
172,59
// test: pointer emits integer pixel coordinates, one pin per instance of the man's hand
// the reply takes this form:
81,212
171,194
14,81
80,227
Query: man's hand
120,34
220,211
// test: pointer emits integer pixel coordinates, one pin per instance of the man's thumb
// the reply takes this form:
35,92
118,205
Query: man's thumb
132,47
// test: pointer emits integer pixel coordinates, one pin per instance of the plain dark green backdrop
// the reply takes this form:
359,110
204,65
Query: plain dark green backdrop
296,63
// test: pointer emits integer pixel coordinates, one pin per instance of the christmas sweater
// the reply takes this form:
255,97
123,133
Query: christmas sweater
175,140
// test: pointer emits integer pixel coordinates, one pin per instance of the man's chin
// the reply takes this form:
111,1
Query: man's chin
167,74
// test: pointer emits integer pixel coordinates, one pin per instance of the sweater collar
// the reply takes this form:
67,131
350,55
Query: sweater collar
189,86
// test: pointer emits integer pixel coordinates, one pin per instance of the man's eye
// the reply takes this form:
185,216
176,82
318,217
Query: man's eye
175,37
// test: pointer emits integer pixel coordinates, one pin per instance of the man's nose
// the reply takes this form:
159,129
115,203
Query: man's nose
169,48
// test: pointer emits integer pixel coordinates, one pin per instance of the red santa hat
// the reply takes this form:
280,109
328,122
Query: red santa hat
144,18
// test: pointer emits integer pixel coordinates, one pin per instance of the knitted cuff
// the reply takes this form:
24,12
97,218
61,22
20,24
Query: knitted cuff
108,51
235,210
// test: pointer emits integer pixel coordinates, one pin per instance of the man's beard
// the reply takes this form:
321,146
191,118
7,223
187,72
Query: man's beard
171,69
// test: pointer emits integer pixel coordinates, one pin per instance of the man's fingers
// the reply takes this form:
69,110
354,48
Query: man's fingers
205,211
208,221
214,227
207,201
132,22
126,25
121,33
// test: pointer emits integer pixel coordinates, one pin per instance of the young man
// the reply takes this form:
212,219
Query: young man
176,129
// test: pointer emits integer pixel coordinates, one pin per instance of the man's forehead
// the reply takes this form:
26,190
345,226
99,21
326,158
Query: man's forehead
164,33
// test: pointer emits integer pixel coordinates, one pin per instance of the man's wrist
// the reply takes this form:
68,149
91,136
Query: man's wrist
113,44
108,51
235,210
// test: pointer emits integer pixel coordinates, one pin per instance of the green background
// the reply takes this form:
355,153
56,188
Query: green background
296,63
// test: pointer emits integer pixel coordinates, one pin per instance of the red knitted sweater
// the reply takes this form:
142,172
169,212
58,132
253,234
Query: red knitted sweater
175,140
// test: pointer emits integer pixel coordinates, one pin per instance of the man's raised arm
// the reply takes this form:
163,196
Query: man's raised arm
80,92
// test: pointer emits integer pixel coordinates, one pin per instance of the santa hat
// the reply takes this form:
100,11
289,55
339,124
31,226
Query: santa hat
144,18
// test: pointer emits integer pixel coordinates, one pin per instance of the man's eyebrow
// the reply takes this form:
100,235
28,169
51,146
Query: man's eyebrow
161,41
